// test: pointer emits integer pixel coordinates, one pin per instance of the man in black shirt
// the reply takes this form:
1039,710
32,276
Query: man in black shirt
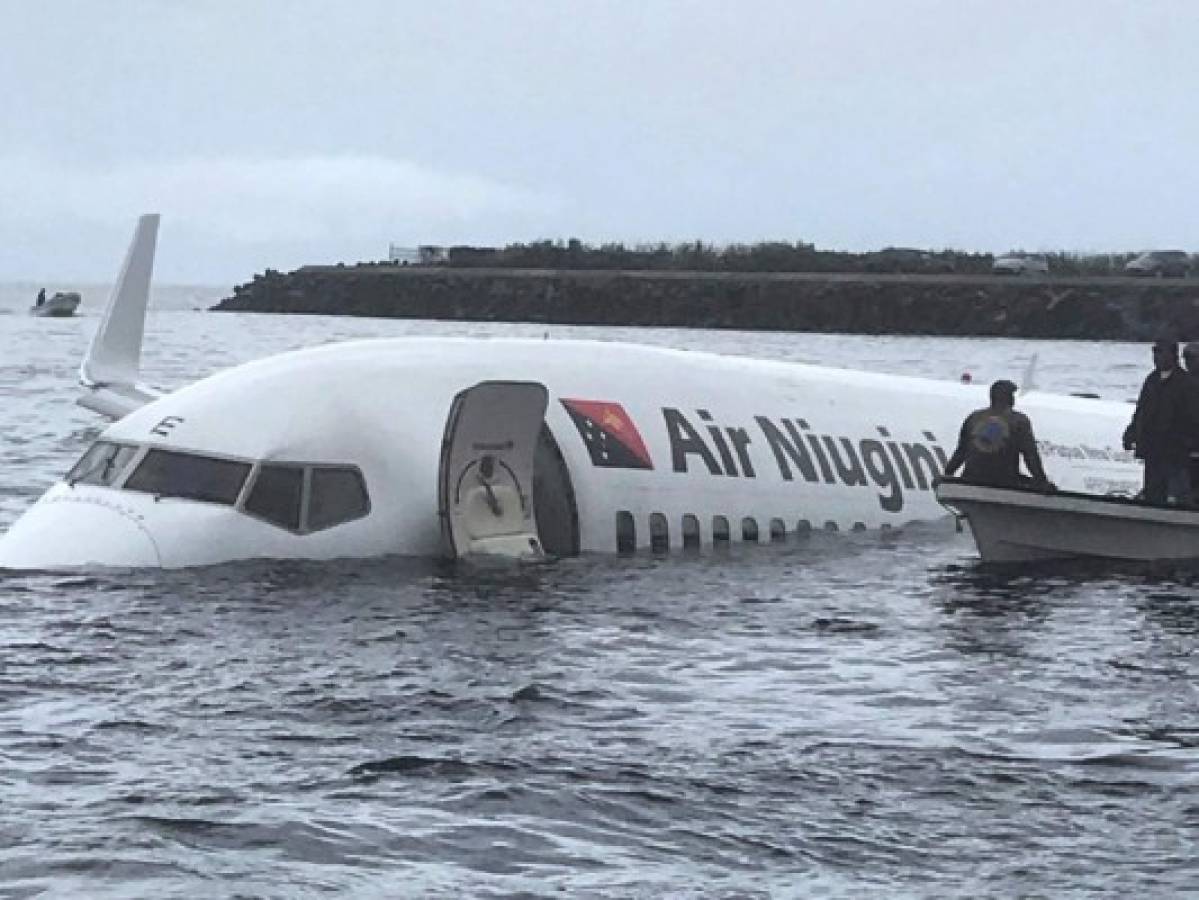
1190,362
992,442
1164,427
1190,358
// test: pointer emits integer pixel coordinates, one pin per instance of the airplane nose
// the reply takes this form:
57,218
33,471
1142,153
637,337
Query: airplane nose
72,532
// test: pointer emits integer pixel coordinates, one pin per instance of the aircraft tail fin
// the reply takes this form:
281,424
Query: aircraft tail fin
110,370
1028,382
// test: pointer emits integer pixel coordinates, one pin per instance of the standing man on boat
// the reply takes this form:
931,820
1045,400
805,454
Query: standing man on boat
992,442
1190,358
1190,362
1164,426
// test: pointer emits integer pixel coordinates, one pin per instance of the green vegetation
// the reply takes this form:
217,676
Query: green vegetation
697,256
1099,264
766,256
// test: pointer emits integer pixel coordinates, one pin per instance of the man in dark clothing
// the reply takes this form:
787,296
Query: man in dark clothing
1164,426
1190,362
993,440
1190,358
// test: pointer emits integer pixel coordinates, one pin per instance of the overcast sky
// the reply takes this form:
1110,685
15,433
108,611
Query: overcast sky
283,132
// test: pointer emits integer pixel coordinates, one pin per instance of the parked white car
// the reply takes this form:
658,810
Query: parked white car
1162,263
1021,264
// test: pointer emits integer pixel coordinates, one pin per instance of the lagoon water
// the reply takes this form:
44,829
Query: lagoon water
845,716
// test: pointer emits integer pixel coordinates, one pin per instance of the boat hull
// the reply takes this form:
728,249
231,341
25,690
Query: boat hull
60,306
1016,525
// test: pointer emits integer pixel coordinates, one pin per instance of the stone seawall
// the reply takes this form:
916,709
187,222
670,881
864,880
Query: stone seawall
1125,309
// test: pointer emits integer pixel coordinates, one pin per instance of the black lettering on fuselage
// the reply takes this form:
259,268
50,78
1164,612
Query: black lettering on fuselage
739,438
941,457
165,424
882,473
922,461
684,440
887,464
850,473
899,463
784,449
726,457
814,443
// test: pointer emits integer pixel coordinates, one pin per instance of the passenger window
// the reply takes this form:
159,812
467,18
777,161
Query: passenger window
188,476
102,464
830,525
691,539
859,526
336,495
778,530
626,532
720,530
749,530
276,496
659,533
803,526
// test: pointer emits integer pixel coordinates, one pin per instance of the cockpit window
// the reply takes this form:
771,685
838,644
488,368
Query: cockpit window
189,476
102,464
276,495
336,495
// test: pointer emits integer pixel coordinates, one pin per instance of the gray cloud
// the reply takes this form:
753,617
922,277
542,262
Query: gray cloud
279,133
265,200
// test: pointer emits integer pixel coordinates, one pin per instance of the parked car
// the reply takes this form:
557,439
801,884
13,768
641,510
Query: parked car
1021,264
1162,263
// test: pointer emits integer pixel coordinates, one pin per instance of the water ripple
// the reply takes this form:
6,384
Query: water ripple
846,715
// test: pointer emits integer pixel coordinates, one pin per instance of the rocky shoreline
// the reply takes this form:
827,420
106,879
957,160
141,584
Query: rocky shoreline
1126,309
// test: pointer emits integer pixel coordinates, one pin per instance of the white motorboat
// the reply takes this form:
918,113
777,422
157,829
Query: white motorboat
1013,524
62,305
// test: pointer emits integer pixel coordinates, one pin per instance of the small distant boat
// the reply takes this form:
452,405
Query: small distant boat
1022,524
61,305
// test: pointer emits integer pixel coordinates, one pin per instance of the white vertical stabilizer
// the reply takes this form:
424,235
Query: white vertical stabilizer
1028,382
110,370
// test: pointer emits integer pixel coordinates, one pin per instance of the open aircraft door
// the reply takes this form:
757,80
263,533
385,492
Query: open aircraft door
485,486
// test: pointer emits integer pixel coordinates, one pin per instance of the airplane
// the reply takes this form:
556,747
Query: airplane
516,448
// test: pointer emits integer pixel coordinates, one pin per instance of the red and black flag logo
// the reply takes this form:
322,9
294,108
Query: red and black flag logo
610,435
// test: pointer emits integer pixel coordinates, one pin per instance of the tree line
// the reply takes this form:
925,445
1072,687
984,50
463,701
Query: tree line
765,256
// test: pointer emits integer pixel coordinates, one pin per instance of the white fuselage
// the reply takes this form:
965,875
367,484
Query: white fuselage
730,440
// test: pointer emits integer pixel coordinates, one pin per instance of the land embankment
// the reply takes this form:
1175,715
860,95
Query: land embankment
1113,308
